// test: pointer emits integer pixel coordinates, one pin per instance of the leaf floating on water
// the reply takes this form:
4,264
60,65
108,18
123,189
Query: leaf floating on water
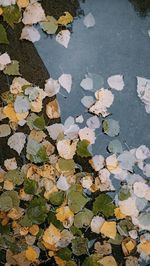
52,87
87,134
3,35
89,20
17,142
4,130
65,19
50,26
111,127
65,81
30,33
116,82
143,91
87,83
12,69
63,38
87,101
115,146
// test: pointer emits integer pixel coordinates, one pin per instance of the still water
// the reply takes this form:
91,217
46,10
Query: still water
117,44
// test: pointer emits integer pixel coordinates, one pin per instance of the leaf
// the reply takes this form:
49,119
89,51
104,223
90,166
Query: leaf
83,218
52,219
66,165
79,246
115,146
25,221
17,142
50,26
33,14
65,19
30,33
64,253
116,82
76,201
87,83
103,203
65,81
63,38
3,35
4,130
39,123
89,20
92,260
8,200
108,229
124,194
82,148
37,210
87,101
15,176
12,14
57,198
31,254
111,127
12,69
30,186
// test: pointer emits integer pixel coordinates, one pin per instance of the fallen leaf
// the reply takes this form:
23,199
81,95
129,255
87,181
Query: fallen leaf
4,130
63,38
4,60
53,109
108,229
89,20
3,35
96,224
50,26
52,87
116,82
32,253
33,14
65,81
65,19
17,142
30,33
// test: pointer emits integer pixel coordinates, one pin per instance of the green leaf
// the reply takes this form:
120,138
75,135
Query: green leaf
25,221
39,123
37,210
57,198
12,69
82,148
70,263
66,165
50,26
36,152
12,14
75,231
117,241
124,226
15,176
103,203
111,127
8,200
52,219
83,218
115,146
76,201
30,186
64,254
124,194
79,246
3,35
92,261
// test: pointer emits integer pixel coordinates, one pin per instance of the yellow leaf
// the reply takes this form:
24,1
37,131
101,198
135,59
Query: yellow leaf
59,261
1,11
52,248
10,112
52,235
53,109
107,261
34,229
119,214
22,3
65,19
109,229
31,254
128,245
144,247
65,215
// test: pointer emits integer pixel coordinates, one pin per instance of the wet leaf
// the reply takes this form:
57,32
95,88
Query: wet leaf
66,165
30,186
89,20
37,210
82,148
65,19
57,198
76,201
4,130
63,38
12,69
83,218
39,123
92,260
111,127
103,203
115,146
64,254
3,35
15,176
50,26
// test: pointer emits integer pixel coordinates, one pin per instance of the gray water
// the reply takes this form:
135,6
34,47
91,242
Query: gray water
118,44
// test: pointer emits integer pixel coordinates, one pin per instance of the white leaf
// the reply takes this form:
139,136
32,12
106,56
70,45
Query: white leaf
66,149
128,207
4,130
111,127
126,160
96,224
143,90
87,101
17,142
65,81
7,2
140,189
52,87
93,122
62,183
89,20
21,104
88,134
116,82
10,164
146,170
149,33
54,130
63,38
87,84
97,162
79,119
142,152
33,14
4,60
30,33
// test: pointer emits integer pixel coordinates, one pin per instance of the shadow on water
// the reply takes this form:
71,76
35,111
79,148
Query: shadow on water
141,6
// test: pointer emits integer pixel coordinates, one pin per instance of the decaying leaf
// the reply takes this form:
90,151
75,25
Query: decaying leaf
53,110
30,33
17,142
63,38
